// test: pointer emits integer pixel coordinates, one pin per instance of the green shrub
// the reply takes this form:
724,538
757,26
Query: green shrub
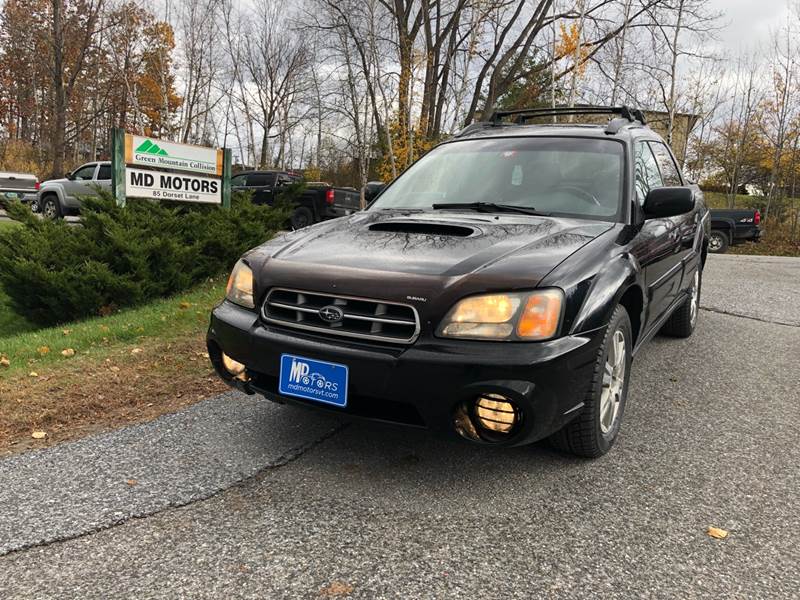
53,272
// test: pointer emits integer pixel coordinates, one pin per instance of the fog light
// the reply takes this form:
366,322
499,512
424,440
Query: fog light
235,368
495,413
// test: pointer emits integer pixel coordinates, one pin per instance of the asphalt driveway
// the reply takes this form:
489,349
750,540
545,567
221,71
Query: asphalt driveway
236,497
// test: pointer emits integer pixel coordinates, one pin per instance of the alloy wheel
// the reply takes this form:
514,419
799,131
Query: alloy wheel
613,382
714,243
49,210
694,300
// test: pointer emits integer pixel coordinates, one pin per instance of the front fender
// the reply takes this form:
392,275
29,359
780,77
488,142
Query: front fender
605,292
51,188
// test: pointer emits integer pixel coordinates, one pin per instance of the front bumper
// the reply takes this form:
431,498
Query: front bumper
421,385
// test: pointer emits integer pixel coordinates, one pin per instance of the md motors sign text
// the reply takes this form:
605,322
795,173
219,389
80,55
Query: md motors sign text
171,186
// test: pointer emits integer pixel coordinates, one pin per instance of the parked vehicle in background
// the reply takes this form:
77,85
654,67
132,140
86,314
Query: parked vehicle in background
60,197
20,186
319,201
733,226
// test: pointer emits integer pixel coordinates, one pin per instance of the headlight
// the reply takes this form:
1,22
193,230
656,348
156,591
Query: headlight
240,286
515,316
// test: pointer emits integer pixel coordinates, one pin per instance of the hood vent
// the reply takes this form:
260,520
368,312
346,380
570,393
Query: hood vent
422,228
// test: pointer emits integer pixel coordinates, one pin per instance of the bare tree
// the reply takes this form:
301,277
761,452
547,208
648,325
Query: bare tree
275,62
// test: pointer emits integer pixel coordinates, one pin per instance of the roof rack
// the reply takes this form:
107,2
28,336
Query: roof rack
630,115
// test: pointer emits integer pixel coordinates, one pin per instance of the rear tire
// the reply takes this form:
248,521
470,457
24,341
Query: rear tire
683,320
301,217
593,432
51,207
718,242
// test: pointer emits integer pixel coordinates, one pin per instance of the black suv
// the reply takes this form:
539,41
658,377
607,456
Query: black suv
497,290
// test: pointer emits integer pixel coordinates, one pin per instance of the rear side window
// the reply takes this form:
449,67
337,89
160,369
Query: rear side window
104,173
647,174
238,181
666,164
260,179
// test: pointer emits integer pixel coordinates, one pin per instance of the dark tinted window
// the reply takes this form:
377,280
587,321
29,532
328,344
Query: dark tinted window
104,173
667,166
284,179
238,181
85,173
260,179
647,173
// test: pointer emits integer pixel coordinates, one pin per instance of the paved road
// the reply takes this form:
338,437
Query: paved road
710,438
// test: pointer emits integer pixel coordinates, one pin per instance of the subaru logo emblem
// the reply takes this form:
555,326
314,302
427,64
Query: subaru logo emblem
331,314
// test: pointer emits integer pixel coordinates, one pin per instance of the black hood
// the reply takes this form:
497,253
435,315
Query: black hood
439,244
402,254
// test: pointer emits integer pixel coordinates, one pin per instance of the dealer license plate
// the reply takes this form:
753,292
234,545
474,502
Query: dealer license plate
311,379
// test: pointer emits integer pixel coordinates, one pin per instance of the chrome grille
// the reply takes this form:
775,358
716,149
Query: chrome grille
360,317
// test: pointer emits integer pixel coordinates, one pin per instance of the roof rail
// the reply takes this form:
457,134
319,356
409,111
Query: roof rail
473,127
521,115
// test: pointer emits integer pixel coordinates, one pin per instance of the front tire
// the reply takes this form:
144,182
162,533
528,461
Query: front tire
51,207
593,432
718,242
682,322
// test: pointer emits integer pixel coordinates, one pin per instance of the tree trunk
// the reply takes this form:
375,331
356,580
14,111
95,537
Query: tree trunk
59,95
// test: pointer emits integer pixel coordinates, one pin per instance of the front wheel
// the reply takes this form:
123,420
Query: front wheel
51,208
718,242
593,432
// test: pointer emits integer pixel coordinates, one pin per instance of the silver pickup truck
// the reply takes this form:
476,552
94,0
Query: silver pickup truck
60,197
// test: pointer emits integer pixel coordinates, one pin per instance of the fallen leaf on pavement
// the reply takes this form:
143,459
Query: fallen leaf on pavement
336,588
68,352
39,435
131,482
716,532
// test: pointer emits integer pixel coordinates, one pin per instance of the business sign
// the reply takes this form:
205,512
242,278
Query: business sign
146,167
150,152
172,186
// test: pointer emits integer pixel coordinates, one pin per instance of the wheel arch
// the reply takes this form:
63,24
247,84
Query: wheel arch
632,300
620,282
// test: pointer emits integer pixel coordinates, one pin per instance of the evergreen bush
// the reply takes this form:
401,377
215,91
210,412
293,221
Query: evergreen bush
55,272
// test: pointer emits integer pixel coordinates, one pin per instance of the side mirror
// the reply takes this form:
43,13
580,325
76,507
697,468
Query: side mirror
668,202
372,190
68,176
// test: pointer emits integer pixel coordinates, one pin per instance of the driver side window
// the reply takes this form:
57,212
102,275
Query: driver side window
647,174
85,173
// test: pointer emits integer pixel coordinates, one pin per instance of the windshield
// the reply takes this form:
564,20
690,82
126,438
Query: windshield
565,176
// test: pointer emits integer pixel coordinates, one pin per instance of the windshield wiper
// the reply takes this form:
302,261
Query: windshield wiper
489,207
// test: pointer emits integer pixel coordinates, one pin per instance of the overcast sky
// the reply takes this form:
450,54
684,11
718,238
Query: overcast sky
749,22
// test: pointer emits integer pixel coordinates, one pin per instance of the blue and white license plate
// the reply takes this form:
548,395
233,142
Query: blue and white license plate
313,380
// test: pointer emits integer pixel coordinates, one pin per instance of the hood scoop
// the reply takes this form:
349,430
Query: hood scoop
416,227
